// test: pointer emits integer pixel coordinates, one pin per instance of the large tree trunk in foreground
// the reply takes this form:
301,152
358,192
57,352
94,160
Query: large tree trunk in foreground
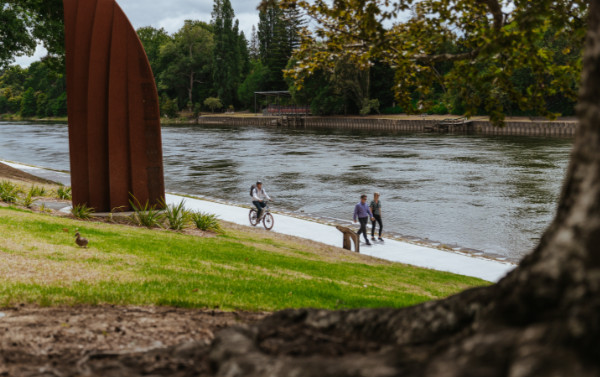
543,319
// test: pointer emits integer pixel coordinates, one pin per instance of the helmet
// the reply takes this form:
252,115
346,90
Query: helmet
259,182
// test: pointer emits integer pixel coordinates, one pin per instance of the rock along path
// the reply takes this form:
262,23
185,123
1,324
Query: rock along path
395,251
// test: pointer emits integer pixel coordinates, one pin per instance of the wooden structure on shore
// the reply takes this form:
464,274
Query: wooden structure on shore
349,235
279,103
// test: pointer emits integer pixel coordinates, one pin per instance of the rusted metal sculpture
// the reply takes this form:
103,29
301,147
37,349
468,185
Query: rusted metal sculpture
114,118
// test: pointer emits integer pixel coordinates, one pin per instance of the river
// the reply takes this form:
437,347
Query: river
489,193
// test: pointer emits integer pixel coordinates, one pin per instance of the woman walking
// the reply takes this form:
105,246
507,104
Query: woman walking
376,211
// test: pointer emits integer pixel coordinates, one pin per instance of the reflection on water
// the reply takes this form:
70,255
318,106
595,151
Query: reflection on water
489,193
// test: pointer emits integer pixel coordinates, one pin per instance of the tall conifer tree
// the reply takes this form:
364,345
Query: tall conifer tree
278,34
227,57
254,45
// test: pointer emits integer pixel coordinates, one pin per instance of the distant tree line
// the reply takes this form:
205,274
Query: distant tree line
215,67
37,91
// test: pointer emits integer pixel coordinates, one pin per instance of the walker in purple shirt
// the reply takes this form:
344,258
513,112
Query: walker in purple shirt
361,211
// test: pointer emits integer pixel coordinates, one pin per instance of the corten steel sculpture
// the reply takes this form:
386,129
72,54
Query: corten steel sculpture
114,118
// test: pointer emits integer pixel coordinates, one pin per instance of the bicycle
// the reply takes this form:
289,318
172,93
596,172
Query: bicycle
267,219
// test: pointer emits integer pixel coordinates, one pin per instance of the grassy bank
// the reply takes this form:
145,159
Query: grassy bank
240,269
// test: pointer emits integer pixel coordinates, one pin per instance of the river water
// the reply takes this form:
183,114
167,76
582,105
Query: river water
489,193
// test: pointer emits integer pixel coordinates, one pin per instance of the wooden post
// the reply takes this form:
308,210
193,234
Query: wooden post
349,234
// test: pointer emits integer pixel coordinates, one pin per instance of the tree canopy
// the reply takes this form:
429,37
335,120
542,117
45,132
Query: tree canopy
488,44
228,66
185,59
24,23
484,57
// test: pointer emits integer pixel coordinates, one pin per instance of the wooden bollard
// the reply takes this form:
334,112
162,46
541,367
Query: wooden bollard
349,234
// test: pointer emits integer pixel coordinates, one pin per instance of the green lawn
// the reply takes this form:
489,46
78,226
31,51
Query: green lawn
241,269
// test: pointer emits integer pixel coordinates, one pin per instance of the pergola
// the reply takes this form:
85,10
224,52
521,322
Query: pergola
278,94
275,93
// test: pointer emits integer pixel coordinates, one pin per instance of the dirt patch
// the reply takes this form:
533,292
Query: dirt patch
75,341
7,172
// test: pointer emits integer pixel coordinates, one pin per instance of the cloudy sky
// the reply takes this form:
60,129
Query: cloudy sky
170,15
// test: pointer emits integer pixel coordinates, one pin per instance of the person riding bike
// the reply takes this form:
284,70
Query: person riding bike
259,198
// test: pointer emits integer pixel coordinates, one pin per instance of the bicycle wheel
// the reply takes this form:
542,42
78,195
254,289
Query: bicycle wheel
252,217
268,221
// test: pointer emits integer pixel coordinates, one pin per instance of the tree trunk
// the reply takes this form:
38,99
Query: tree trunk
543,319
191,86
191,89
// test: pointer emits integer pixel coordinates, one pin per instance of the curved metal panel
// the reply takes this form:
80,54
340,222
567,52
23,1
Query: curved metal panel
114,118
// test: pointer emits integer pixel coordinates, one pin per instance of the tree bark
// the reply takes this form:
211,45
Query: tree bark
543,319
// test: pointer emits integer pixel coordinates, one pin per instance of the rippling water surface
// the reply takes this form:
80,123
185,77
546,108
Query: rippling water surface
495,194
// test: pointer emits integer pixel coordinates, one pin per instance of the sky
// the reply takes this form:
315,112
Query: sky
170,15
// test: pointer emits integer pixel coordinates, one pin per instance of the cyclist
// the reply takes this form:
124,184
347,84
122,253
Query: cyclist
259,197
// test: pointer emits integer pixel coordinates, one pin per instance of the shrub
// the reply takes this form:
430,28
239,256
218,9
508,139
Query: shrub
36,191
59,105
82,211
9,192
168,107
206,222
369,107
64,193
28,103
213,103
197,110
28,200
393,110
176,215
145,214
439,109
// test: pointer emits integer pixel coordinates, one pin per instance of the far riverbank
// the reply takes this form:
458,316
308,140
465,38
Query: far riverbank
514,126
521,126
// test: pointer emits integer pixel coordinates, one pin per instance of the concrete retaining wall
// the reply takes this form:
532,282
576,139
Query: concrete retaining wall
527,128
239,121
368,124
393,125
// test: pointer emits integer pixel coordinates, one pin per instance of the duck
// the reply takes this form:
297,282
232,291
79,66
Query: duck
81,242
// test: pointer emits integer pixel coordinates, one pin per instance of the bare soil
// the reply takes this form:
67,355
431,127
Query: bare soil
7,172
110,340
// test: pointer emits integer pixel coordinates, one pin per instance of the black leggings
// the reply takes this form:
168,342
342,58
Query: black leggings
377,220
